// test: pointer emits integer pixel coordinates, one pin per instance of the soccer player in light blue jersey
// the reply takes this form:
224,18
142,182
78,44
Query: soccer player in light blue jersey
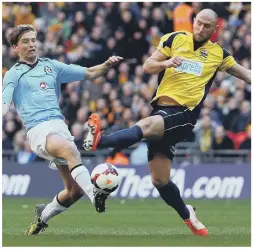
33,84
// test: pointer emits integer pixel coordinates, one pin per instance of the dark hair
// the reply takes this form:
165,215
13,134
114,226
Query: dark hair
17,32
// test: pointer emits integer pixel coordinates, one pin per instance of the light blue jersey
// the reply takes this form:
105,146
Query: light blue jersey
35,90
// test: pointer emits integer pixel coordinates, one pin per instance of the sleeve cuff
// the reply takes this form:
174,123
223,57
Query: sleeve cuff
162,50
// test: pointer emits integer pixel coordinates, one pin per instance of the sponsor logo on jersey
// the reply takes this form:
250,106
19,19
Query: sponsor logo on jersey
190,67
48,92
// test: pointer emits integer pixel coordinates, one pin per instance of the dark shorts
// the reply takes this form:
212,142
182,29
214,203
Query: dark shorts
179,123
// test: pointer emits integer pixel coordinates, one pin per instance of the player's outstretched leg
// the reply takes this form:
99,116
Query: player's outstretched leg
120,139
37,225
171,195
94,133
77,171
43,213
160,167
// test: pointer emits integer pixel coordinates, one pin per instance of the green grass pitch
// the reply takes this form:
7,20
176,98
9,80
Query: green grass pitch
129,223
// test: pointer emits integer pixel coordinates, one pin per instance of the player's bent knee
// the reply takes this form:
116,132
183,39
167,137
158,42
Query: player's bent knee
56,145
152,126
59,147
145,126
73,151
158,182
69,150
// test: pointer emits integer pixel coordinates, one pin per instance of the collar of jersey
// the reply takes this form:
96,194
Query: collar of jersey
206,44
29,65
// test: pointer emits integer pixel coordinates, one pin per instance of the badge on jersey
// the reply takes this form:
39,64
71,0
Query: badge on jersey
43,85
48,69
203,54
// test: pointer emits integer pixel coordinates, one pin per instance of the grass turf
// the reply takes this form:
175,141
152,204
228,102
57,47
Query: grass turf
129,223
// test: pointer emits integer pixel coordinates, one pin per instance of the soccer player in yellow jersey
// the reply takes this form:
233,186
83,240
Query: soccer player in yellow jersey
187,64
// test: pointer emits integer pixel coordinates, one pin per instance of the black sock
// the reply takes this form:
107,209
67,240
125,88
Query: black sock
65,204
171,195
121,139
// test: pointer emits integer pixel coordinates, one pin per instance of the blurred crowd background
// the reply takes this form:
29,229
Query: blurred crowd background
88,33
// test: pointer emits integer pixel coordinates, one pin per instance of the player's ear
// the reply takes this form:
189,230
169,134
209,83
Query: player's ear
15,47
215,29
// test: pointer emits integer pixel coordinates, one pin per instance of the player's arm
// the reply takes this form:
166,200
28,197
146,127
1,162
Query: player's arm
9,84
162,57
240,72
99,70
157,62
230,66
69,73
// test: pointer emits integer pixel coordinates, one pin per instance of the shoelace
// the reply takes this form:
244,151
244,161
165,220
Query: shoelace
92,127
196,223
87,143
202,226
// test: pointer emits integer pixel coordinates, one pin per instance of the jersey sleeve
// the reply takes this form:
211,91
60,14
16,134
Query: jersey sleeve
9,85
163,45
68,73
227,62
166,44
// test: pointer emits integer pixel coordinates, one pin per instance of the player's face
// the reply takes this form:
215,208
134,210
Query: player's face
26,47
203,29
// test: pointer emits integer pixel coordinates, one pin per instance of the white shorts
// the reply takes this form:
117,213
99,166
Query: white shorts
37,138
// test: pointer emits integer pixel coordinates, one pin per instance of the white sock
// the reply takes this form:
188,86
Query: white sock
82,176
52,209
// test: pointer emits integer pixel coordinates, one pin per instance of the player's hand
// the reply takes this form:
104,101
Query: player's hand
113,60
173,62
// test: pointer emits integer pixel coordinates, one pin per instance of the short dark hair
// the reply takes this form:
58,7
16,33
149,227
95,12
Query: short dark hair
17,32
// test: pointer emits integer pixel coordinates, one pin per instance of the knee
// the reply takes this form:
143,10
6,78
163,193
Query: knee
152,126
71,151
159,182
59,147
146,126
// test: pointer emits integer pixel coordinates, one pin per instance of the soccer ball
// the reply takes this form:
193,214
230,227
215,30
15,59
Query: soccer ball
105,177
